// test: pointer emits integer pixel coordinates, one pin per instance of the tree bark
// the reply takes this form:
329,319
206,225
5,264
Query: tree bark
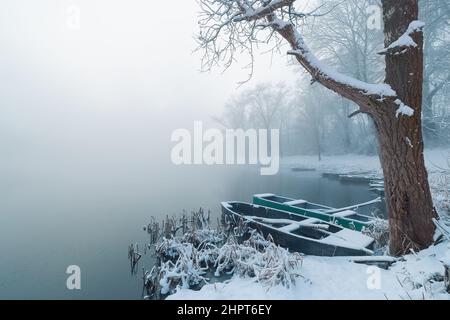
408,195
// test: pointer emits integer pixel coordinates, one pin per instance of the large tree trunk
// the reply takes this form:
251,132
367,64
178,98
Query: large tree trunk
407,191
408,194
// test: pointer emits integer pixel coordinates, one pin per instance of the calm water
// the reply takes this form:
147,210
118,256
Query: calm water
87,213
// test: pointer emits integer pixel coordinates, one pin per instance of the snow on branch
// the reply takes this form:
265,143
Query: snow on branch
228,27
405,41
403,109
326,75
264,10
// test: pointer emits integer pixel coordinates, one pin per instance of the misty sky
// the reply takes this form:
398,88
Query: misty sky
86,118
129,75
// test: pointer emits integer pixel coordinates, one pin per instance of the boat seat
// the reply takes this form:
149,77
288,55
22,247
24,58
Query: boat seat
295,202
273,221
290,225
344,213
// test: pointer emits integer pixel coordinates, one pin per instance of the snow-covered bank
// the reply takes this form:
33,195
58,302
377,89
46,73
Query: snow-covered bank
337,278
436,160
417,276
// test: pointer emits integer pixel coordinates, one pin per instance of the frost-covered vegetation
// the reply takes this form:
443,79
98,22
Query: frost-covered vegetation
190,253
197,261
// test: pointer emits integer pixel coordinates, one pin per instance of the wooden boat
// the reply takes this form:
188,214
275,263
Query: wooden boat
299,233
344,217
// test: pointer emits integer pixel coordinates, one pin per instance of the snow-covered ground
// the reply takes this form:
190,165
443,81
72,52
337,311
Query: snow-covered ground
437,160
337,278
417,276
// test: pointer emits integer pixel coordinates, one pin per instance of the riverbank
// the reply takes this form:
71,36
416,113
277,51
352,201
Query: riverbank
417,276
437,162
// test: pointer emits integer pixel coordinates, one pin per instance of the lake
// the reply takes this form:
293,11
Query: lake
67,211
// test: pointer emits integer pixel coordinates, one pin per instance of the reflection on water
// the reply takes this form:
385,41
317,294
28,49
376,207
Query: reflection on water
86,214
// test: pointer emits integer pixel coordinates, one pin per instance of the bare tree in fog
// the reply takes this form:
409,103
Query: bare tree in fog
343,39
436,14
313,118
262,107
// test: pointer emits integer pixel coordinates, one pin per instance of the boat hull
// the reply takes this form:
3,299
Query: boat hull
293,243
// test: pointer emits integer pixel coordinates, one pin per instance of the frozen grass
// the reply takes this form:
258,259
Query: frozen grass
188,250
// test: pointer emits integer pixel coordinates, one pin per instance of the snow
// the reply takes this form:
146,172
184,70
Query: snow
382,89
250,12
374,259
415,25
446,261
295,226
226,205
343,214
264,195
408,142
403,109
294,202
405,40
348,238
416,276
337,278
436,160
291,225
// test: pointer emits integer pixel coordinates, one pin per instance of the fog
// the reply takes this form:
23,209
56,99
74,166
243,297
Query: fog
99,103
86,117
128,74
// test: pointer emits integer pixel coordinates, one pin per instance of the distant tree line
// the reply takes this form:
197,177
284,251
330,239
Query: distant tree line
307,114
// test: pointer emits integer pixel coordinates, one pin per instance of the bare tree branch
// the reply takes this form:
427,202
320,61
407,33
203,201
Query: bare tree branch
231,26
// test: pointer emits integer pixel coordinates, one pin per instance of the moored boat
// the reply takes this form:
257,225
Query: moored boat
299,233
344,217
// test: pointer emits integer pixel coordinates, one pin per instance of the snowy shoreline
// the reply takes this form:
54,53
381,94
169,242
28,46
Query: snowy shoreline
436,161
416,276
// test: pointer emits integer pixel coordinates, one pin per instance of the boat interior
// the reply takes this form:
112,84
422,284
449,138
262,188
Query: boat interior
358,217
285,221
297,203
303,204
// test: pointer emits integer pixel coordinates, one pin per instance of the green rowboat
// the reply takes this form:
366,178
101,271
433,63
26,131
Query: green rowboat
344,217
